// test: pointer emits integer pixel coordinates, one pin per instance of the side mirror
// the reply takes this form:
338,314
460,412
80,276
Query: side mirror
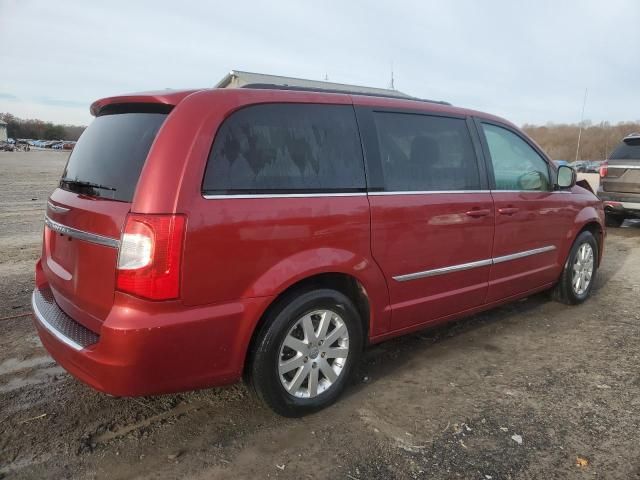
566,177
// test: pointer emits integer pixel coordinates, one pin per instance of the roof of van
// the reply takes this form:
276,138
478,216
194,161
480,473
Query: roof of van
173,97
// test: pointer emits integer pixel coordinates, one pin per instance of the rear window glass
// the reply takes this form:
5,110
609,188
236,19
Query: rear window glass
286,148
109,156
627,151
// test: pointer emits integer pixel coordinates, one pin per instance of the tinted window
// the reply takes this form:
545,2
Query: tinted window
516,165
108,158
627,151
420,152
280,148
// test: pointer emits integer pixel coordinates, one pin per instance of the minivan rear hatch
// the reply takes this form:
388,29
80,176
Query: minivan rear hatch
86,214
623,167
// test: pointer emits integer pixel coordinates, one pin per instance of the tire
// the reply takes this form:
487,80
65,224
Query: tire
613,220
295,316
566,290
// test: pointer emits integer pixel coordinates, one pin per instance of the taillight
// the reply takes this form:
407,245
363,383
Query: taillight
150,256
604,169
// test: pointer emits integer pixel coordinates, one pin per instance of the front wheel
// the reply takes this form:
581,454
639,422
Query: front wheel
578,275
305,353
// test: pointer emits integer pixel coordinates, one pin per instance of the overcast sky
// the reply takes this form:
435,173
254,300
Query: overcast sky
528,61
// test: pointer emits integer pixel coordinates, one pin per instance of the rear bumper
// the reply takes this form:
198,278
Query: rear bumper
621,203
146,348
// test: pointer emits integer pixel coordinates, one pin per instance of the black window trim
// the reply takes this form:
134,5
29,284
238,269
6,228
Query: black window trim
373,161
551,168
215,194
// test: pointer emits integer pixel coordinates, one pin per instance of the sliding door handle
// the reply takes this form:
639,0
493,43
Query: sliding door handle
508,210
480,212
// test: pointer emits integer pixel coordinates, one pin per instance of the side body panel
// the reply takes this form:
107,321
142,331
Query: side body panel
253,247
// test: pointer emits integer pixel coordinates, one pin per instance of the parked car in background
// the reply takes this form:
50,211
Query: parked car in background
593,166
580,166
559,163
620,181
272,234
6,147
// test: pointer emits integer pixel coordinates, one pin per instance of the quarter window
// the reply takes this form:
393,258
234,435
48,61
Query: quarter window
286,148
516,165
426,153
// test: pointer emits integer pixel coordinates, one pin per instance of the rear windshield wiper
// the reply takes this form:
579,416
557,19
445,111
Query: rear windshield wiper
82,183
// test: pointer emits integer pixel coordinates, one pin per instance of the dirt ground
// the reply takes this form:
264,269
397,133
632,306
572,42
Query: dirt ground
520,392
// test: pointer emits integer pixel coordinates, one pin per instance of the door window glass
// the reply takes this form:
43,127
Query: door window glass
516,165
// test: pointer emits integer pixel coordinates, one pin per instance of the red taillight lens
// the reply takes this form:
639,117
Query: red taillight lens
150,256
604,169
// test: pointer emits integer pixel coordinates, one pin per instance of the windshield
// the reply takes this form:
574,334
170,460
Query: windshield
109,156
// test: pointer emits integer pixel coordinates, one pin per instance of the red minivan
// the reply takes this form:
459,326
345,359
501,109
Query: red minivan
199,237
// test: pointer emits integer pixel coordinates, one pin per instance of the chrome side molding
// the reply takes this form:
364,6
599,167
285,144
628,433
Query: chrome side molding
81,234
443,270
526,253
470,265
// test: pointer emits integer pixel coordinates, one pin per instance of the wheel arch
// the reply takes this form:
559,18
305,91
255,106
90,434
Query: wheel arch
342,282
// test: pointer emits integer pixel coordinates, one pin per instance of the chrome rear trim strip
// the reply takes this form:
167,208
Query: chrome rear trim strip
526,253
467,266
57,208
50,328
81,234
629,167
443,270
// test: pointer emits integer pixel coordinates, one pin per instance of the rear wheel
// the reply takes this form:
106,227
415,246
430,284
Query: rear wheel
579,271
306,351
614,220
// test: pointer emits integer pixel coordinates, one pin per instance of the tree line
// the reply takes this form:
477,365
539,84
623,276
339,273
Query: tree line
560,141
40,130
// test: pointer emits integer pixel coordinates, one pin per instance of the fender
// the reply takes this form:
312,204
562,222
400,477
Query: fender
308,263
588,214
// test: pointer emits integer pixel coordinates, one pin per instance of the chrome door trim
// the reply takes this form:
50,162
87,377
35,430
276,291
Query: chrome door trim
526,253
443,270
81,234
425,192
284,195
50,328
467,266
57,208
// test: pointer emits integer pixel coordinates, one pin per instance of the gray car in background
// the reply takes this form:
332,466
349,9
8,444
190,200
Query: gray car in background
620,181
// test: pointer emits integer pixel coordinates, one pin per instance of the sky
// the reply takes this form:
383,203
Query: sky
527,61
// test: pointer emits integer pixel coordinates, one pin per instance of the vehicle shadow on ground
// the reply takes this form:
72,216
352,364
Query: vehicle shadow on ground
389,357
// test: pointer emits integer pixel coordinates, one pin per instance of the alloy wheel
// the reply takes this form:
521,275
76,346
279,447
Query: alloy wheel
313,354
582,269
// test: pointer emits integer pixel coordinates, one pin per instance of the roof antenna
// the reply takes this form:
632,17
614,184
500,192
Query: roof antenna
584,102
326,77
391,84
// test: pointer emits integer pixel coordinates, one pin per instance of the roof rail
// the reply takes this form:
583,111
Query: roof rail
271,86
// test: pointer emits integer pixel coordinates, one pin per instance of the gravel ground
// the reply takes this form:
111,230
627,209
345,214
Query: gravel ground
534,389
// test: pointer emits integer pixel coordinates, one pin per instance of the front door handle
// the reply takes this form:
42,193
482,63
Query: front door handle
508,210
480,212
